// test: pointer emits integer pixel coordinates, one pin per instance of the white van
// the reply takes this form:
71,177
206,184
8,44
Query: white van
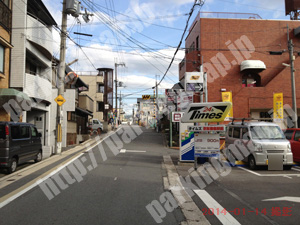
262,139
95,125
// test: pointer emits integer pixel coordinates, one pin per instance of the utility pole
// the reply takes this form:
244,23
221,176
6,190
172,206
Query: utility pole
156,100
292,59
120,104
133,115
116,81
61,74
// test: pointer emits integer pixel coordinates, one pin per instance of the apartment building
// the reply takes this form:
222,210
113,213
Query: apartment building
9,97
32,52
101,92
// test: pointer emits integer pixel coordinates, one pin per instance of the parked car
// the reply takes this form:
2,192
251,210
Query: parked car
19,143
95,125
293,135
265,139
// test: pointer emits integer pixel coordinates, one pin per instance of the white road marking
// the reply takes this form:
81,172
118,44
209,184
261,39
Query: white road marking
250,171
13,197
286,198
269,175
288,177
211,203
296,169
133,151
115,178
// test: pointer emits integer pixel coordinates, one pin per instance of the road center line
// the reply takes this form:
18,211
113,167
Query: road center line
211,203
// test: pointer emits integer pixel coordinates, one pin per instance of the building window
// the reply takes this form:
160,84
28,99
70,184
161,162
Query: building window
266,116
72,116
2,58
197,43
251,80
5,14
100,106
100,88
31,68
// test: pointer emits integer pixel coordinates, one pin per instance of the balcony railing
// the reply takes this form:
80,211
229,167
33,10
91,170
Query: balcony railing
5,16
86,103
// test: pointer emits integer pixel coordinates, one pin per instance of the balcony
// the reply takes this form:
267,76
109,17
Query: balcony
86,103
41,36
99,97
37,87
5,16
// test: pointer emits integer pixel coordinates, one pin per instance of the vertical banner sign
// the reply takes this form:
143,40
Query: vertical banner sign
184,99
186,142
278,107
227,97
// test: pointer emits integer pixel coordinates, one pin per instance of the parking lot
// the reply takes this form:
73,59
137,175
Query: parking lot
252,197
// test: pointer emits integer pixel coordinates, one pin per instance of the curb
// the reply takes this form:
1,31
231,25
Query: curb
188,207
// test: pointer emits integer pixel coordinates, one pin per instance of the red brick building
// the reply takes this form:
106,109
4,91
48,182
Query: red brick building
224,44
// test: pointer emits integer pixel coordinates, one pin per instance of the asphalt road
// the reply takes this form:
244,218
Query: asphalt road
249,197
110,189
256,197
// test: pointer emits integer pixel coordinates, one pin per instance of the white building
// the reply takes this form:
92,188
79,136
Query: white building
31,60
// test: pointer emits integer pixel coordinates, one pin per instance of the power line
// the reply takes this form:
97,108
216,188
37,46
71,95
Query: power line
201,3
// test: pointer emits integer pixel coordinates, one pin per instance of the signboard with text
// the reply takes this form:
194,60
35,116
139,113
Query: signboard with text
176,116
207,145
278,107
206,112
194,81
227,97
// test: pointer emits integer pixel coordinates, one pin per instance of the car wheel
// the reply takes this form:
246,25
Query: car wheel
39,157
99,131
13,166
252,163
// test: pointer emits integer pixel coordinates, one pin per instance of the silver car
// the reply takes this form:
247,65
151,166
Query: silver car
254,142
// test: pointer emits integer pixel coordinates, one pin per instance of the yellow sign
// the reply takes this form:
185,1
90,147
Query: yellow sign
195,77
227,97
278,106
60,100
146,97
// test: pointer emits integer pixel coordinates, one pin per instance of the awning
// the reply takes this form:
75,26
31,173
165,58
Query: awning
82,111
7,94
253,65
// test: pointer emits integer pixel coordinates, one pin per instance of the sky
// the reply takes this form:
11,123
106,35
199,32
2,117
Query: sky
143,34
